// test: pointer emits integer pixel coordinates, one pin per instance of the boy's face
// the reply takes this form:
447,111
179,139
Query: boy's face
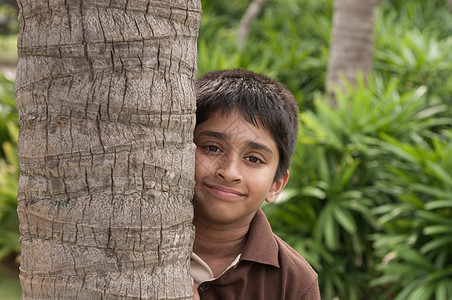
235,167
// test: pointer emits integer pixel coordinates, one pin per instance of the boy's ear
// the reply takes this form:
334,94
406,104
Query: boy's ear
277,187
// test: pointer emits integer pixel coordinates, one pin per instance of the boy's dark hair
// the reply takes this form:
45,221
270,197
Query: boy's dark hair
259,99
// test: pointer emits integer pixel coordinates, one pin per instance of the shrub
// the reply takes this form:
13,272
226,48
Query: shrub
413,43
415,248
9,170
274,45
326,211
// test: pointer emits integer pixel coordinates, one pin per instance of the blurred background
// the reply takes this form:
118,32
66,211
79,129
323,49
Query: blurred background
369,202
9,166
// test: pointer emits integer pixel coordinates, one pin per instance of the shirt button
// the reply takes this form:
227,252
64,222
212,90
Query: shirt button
204,287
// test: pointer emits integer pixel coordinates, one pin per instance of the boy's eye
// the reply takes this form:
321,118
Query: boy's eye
212,148
254,160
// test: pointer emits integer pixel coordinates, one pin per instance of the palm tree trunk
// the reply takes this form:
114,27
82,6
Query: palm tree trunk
250,15
352,42
104,91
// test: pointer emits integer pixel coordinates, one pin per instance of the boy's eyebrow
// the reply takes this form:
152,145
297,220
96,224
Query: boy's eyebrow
258,146
224,136
215,134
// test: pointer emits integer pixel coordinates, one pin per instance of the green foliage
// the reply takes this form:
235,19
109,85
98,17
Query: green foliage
415,250
273,46
8,50
233,9
326,211
9,27
420,53
433,17
9,170
216,49
8,113
8,19
368,204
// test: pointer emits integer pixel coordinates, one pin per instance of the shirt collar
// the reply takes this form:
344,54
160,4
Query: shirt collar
261,246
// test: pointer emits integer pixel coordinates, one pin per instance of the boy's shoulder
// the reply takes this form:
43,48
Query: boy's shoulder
292,263
263,246
268,268
277,266
301,281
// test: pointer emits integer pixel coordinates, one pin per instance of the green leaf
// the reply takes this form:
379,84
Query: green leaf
402,269
11,154
436,229
432,191
286,194
440,173
412,256
441,274
441,290
406,291
312,191
344,218
322,162
325,227
433,217
385,280
349,166
422,292
405,152
438,204
437,243
13,130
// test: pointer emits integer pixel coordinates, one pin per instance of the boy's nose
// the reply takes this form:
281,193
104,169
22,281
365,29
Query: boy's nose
228,169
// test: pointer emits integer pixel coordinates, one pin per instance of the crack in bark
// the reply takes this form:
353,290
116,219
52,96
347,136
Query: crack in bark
84,41
101,26
99,131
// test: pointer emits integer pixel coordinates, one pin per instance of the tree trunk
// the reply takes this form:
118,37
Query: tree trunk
105,96
245,24
352,42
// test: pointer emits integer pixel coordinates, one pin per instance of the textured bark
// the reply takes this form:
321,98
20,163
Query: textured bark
352,41
106,104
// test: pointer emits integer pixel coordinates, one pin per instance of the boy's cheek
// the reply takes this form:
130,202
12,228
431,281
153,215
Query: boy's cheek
201,168
204,165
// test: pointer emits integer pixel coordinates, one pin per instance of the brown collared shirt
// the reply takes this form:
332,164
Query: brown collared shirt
267,268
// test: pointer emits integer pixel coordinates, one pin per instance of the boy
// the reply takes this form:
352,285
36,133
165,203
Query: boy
246,130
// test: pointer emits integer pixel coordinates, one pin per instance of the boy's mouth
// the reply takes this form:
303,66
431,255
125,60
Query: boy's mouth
223,191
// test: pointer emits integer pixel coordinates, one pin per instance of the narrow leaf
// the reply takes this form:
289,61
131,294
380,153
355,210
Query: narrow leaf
437,243
344,218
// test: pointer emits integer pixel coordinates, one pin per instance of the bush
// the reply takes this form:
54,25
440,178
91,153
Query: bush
326,211
8,19
418,54
415,249
273,46
9,27
8,50
9,170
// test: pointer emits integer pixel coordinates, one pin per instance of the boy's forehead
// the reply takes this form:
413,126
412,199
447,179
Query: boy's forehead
232,124
236,130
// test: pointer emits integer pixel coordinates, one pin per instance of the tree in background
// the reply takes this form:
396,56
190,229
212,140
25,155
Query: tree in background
245,23
104,91
352,42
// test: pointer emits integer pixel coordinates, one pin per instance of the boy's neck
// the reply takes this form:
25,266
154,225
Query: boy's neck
218,247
